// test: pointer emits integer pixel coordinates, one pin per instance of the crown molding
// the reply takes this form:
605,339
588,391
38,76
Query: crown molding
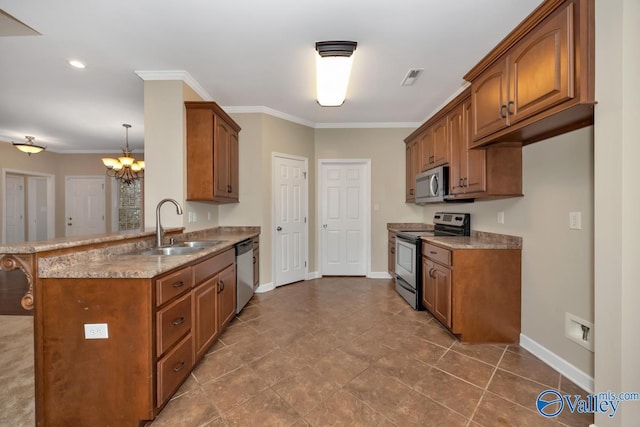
271,112
175,75
367,125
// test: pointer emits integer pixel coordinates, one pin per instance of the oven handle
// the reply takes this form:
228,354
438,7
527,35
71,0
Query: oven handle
404,285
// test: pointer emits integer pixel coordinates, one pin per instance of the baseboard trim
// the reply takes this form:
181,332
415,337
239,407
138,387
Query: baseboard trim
313,275
265,287
379,275
579,377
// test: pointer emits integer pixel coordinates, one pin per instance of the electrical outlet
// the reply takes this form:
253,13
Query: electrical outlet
575,220
500,217
96,331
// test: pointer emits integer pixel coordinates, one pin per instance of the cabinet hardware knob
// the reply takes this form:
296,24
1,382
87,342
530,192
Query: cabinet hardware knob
254,260
178,284
178,321
179,367
278,228
411,191
509,110
502,108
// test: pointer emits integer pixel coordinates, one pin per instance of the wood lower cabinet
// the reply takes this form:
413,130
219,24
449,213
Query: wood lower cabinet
256,263
212,154
226,295
475,293
391,254
538,82
158,329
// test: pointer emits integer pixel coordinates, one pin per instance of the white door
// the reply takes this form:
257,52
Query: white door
343,218
15,219
290,219
85,205
38,208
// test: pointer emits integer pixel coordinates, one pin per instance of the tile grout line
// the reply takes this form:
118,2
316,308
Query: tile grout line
486,388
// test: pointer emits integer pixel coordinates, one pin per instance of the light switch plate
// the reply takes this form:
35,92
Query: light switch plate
575,220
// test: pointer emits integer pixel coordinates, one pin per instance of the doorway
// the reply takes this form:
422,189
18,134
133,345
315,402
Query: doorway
84,205
290,223
344,194
28,206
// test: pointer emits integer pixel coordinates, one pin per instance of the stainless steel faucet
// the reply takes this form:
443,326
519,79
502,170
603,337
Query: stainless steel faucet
159,229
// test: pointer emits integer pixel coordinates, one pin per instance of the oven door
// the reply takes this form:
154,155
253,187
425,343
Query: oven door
406,260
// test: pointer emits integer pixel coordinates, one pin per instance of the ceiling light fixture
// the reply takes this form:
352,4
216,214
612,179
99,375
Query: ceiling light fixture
125,168
76,64
29,147
333,67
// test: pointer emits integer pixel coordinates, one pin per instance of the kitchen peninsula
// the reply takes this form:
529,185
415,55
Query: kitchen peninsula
116,330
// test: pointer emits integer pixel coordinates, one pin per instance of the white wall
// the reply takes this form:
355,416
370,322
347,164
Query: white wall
617,204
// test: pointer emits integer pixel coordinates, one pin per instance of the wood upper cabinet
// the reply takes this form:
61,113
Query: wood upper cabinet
434,145
212,154
539,81
412,165
467,171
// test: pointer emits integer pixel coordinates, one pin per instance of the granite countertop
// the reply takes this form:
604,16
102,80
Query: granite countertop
477,240
118,262
70,242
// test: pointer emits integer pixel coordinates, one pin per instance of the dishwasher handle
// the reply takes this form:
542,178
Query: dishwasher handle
244,246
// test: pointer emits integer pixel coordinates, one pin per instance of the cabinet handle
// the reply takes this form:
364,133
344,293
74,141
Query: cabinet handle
433,252
178,284
220,286
465,182
254,260
431,273
460,183
179,367
509,110
411,191
178,321
502,108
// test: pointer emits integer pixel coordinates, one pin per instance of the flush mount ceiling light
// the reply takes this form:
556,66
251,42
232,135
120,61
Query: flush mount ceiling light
29,147
125,168
76,64
333,67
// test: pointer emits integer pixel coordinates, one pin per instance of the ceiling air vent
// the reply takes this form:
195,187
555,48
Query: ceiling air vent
412,76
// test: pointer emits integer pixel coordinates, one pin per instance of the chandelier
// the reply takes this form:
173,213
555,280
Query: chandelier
125,168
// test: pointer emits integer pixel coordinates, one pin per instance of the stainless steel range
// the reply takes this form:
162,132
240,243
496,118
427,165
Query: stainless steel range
409,253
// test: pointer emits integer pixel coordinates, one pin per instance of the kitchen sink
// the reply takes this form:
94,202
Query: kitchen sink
181,248
167,250
200,243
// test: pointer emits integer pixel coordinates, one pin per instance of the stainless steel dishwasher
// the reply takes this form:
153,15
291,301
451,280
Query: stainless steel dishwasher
244,273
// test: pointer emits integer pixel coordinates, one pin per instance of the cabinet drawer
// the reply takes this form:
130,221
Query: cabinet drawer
211,266
173,322
173,284
174,368
436,253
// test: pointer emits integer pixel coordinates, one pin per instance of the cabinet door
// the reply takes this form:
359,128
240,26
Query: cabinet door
391,259
441,277
440,154
256,267
234,166
458,164
541,67
428,285
200,154
411,165
205,299
489,99
475,177
221,159
426,149
226,288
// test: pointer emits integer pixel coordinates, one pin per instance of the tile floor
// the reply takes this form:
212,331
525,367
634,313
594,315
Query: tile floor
333,351
351,352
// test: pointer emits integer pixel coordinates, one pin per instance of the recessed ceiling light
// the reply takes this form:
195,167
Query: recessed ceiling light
75,63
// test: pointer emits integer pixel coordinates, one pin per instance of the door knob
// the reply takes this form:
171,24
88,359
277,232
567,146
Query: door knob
324,225
278,228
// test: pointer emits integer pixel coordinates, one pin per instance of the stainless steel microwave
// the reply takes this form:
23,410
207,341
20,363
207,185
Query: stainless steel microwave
432,186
